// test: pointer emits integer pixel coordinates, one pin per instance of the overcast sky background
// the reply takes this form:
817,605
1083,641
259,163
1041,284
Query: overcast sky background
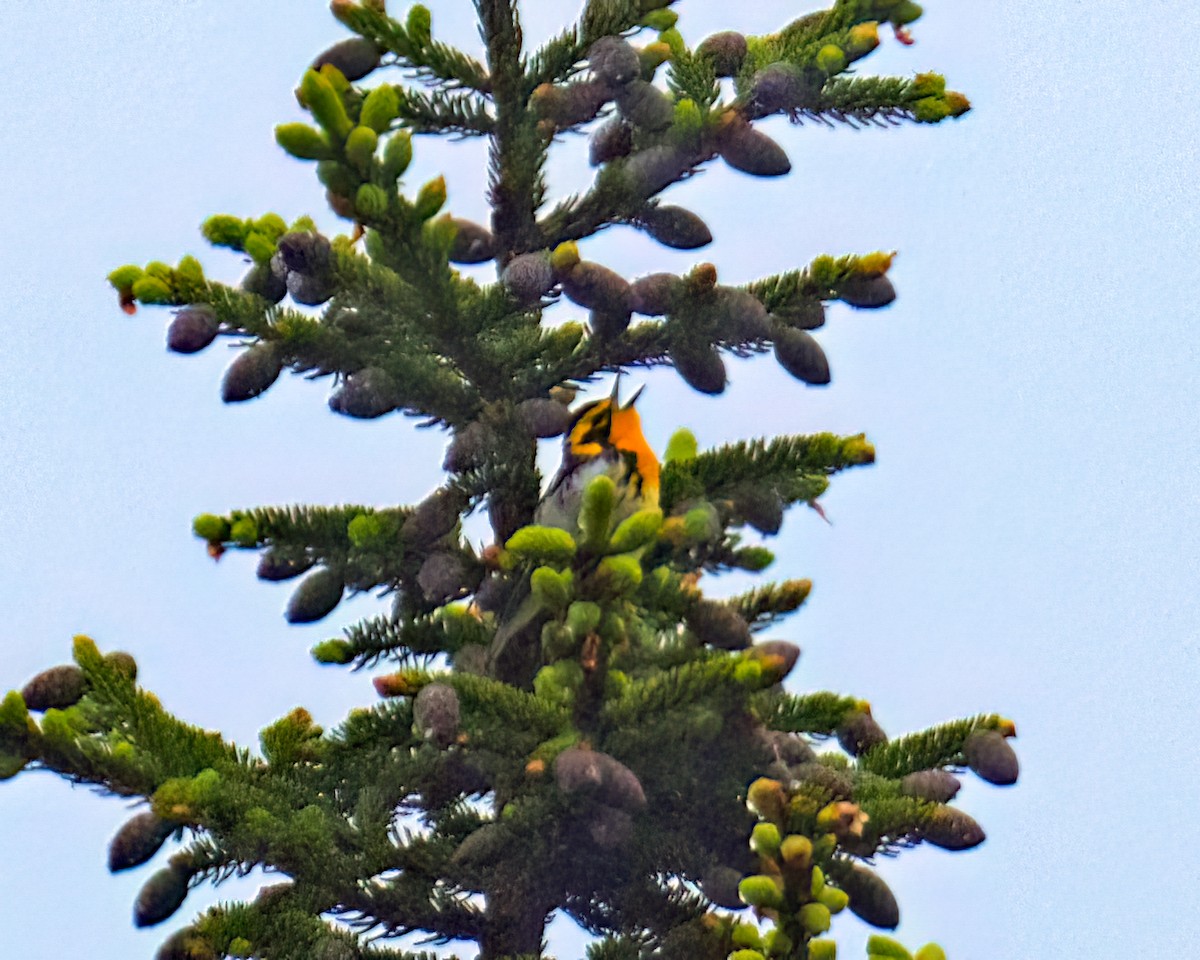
1026,544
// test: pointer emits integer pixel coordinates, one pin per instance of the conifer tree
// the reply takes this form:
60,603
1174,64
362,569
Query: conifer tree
564,721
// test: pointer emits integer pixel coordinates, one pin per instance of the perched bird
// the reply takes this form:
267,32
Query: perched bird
605,438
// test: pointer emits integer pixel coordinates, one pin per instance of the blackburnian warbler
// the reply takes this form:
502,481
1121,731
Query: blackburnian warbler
605,438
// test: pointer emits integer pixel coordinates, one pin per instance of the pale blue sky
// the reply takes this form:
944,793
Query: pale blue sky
1027,542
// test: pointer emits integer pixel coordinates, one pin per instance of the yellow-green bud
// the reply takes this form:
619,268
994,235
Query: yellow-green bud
619,575
397,155
223,230
151,290
190,271
833,898
681,448
760,891
325,104
380,108
830,59
551,588
259,247
419,25
766,798
817,882
210,527
595,512
333,651
564,257
123,278
931,951
360,148
370,201
702,523
862,39
660,19
814,917
796,851
778,943
430,198
822,950
636,531
542,545
746,935
765,839
244,532
881,946
303,142
746,955
559,682
930,109
583,617
689,120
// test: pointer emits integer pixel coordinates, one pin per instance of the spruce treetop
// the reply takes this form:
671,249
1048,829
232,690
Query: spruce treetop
564,721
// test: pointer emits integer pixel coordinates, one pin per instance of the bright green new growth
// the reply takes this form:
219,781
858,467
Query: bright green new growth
565,722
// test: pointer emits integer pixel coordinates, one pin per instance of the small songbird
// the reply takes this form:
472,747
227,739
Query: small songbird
605,437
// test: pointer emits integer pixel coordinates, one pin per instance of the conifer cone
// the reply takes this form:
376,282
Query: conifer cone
578,769
193,329
273,566
619,785
675,227
752,151
185,944
267,280
858,733
123,663
786,653
936,786
161,895
837,785
467,448
700,366
871,900
251,373
55,689
718,625
612,139
609,827
655,168
365,394
789,748
742,315
354,58
801,356
595,287
613,61
653,295
760,507
433,517
137,841
645,106
529,277
720,885
867,293
472,243
543,418
951,829
445,575
315,597
436,713
989,754
726,50
777,87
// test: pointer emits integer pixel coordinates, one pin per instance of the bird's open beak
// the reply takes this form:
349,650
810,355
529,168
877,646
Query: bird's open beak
632,400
